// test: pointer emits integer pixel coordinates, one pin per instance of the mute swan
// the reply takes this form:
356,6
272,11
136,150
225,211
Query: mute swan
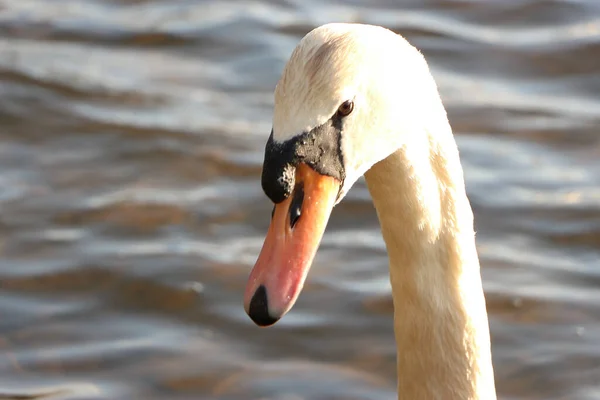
358,99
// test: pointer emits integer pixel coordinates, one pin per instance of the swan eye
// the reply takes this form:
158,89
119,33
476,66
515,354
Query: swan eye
346,108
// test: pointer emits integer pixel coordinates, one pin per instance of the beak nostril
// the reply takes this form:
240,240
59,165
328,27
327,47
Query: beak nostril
296,205
294,216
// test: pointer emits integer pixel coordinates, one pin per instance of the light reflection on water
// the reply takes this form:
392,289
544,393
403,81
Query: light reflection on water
131,210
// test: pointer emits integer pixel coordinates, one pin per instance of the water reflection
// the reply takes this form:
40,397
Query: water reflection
131,210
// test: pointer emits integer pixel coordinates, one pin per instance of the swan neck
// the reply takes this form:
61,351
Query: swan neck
440,319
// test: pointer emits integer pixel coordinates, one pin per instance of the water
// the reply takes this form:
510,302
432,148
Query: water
131,210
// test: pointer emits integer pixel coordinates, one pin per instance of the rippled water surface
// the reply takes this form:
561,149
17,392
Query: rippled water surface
131,212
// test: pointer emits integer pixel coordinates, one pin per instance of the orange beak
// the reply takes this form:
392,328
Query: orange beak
294,235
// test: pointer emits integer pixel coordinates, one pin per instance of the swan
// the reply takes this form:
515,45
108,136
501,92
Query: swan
357,100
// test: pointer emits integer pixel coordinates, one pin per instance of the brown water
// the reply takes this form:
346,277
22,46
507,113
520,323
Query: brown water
131,212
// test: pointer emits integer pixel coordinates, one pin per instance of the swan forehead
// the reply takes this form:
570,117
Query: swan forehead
329,66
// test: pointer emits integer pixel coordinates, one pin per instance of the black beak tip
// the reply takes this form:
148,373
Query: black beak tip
258,311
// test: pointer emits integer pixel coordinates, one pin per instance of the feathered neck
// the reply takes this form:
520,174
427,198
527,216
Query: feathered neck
440,318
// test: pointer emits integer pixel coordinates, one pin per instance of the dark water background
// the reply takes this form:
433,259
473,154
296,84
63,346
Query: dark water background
131,139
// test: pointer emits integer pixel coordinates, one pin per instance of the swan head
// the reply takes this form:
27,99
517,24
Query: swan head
349,96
